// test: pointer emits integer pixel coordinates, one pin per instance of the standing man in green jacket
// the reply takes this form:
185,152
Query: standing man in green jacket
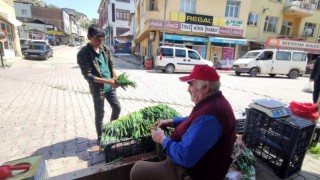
97,68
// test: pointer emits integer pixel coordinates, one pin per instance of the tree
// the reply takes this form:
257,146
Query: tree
53,6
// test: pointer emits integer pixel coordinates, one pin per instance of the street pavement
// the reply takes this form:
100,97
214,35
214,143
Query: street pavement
46,109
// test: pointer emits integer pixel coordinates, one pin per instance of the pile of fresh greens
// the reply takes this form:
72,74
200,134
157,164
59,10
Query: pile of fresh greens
243,161
136,124
315,151
123,81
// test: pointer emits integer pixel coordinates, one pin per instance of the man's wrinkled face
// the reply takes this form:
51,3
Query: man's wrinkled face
196,93
96,41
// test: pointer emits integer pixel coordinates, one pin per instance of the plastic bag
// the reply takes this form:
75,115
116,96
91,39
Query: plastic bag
308,87
305,110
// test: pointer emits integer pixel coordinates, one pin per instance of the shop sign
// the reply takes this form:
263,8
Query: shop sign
185,27
233,23
212,30
237,32
198,28
160,24
173,25
55,32
199,19
292,44
225,31
185,38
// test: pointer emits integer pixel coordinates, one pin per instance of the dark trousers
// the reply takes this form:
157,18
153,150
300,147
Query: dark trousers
316,89
98,101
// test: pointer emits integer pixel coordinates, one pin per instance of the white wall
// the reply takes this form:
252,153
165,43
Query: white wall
18,7
66,22
119,5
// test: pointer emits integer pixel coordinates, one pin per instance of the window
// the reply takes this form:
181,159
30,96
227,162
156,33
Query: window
180,53
122,14
188,5
193,55
126,1
270,24
232,9
253,19
8,43
267,55
286,28
281,55
299,56
152,5
309,29
167,52
24,11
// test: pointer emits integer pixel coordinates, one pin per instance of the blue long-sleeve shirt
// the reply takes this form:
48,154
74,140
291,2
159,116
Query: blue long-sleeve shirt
197,140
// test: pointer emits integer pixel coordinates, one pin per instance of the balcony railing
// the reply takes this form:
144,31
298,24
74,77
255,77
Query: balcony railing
300,9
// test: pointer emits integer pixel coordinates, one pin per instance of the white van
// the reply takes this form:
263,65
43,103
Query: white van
170,59
272,61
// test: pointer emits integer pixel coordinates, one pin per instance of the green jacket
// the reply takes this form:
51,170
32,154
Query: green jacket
90,68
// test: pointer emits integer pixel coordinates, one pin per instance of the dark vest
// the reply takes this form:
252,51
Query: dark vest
215,163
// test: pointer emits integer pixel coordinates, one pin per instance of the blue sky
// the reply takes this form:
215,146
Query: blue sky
87,7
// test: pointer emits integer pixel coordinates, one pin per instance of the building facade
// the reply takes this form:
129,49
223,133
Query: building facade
10,46
285,24
214,28
114,17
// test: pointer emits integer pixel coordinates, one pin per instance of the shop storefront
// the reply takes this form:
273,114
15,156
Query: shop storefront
312,48
224,49
7,45
197,43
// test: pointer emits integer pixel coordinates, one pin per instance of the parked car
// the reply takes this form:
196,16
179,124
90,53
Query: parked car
72,44
272,61
38,51
310,66
77,43
170,59
24,43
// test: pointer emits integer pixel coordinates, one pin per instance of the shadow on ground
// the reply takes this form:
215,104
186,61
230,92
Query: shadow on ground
71,148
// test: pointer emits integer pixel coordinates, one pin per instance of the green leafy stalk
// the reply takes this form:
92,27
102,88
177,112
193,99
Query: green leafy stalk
123,81
137,124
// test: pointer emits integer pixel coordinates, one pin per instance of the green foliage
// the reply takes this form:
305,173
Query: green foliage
123,81
315,151
243,160
136,124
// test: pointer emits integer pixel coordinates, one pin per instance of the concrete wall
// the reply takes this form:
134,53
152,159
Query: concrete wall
18,7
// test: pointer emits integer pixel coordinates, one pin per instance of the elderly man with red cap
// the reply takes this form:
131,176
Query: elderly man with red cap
201,144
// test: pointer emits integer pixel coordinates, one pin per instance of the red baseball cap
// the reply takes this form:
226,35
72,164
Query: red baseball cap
202,72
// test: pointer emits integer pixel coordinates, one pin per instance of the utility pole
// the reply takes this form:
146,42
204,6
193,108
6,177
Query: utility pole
165,23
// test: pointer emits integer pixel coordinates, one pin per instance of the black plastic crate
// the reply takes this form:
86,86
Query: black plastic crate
283,164
128,147
292,134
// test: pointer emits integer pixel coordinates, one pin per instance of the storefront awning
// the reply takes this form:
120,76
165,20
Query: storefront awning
185,38
53,32
228,40
10,20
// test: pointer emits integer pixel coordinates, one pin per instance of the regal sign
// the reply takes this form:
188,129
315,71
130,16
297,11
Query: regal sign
199,19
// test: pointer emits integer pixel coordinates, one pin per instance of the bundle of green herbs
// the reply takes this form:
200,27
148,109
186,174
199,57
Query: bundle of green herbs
137,124
243,161
123,81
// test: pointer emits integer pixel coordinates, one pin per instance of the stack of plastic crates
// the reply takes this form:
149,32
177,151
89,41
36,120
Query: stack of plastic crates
281,143
128,147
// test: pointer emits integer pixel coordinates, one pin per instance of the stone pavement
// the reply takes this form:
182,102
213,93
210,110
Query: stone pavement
46,109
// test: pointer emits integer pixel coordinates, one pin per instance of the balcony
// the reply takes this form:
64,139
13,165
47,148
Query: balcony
299,9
